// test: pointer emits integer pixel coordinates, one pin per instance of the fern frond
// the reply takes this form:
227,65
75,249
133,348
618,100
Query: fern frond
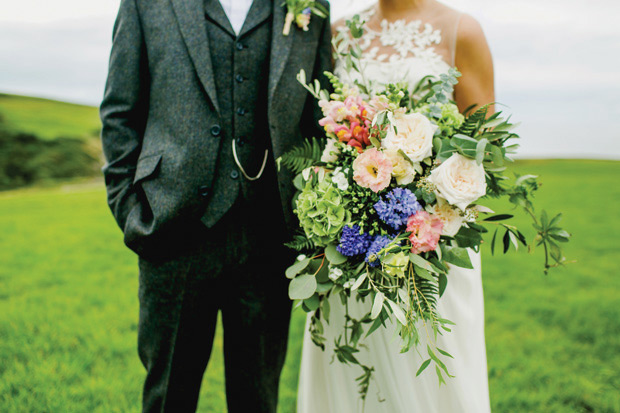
300,243
304,155
472,124
428,292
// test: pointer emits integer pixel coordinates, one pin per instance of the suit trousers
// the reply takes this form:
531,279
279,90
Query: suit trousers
236,267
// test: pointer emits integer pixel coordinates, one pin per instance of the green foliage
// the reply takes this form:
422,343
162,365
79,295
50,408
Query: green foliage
48,119
303,156
300,243
26,159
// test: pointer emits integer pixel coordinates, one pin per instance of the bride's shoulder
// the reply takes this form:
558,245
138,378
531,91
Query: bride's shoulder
469,31
471,44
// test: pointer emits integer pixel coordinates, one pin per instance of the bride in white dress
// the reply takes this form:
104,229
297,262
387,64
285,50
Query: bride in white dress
406,40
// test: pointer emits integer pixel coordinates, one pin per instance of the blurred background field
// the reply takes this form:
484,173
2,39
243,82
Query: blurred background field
68,305
48,119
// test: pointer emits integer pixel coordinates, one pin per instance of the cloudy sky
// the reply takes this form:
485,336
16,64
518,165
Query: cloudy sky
557,62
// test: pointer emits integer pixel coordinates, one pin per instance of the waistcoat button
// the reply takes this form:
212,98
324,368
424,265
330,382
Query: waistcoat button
216,130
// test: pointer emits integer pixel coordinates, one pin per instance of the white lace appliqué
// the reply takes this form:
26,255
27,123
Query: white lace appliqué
399,40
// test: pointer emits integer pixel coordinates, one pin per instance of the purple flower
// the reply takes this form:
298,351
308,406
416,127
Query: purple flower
377,245
352,242
397,206
306,11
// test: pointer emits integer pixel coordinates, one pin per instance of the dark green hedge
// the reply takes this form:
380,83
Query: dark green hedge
26,159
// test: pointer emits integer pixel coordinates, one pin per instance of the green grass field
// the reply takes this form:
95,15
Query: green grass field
68,306
48,119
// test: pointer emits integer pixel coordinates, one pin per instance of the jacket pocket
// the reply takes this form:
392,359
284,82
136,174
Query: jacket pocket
147,166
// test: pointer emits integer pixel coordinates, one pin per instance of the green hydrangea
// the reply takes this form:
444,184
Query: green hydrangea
322,212
446,116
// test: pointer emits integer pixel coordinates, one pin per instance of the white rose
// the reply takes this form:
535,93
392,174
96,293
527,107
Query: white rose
339,177
451,217
413,134
459,180
402,169
330,153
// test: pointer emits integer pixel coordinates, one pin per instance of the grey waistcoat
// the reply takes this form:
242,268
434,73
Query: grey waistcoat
240,71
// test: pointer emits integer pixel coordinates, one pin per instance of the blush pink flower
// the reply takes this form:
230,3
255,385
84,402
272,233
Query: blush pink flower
334,110
373,170
425,231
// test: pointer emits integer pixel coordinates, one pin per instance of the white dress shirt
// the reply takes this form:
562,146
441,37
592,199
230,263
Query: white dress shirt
237,11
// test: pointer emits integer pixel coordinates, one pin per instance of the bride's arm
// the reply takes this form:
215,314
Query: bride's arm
473,59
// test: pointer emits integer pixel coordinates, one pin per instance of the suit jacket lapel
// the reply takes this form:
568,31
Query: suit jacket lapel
280,47
191,17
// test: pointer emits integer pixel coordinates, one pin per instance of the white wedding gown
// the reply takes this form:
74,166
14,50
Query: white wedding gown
396,52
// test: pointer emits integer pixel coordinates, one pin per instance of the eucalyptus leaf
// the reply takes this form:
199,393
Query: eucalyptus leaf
333,256
302,287
480,150
296,268
312,303
324,287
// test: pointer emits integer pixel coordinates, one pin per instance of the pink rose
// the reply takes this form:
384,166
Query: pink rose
373,170
425,231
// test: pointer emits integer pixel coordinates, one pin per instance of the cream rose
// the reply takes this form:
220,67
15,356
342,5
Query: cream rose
451,217
459,180
402,169
413,134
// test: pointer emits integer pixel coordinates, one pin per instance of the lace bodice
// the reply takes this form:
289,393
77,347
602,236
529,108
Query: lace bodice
405,50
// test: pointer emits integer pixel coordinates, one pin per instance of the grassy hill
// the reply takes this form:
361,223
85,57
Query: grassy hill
69,307
48,119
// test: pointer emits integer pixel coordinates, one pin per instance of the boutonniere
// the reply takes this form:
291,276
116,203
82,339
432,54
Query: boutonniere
300,11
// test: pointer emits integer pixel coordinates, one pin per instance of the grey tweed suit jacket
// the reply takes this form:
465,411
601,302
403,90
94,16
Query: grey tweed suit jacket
161,128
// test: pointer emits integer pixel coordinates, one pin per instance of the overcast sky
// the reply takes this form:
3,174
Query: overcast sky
557,62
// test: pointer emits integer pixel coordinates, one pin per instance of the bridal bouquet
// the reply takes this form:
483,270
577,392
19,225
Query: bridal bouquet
390,198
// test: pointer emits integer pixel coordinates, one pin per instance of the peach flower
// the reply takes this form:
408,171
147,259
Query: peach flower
373,170
425,231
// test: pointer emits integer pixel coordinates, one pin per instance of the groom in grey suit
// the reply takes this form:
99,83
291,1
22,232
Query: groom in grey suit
194,109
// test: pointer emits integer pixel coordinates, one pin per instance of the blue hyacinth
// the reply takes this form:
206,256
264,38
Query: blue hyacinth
352,242
377,245
397,206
